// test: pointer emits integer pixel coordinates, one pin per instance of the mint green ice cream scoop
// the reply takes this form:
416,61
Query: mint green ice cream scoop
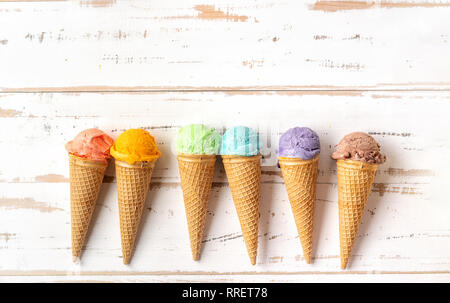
198,139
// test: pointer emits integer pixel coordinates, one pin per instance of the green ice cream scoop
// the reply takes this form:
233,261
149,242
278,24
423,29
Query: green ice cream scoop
198,139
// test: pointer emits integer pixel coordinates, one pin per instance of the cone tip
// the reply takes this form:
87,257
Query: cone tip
195,250
75,259
253,260
308,259
126,260
344,264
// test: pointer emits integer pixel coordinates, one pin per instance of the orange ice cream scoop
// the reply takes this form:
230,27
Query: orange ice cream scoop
92,144
135,145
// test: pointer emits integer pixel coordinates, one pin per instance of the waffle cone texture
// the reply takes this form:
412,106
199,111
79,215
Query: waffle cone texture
86,177
244,177
133,182
300,178
355,180
196,174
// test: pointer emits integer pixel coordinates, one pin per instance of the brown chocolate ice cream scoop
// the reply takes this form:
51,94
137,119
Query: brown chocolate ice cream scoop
359,146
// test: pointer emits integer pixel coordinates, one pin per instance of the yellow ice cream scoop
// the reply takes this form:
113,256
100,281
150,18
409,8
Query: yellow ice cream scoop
135,145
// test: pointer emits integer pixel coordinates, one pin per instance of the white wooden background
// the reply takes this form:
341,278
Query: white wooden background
337,67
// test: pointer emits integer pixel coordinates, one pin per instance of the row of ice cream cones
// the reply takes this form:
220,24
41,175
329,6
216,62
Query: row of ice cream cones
244,176
135,154
133,181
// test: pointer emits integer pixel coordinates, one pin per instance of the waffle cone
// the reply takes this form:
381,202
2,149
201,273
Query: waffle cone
86,178
300,178
244,177
133,182
355,179
196,174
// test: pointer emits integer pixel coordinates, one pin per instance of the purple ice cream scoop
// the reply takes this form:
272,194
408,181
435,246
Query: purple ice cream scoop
299,142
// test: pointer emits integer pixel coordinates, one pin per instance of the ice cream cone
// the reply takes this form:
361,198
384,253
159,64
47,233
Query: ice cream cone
196,174
86,178
355,180
244,177
300,177
133,181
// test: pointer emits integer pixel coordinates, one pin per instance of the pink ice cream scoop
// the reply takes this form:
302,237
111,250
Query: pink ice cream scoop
91,144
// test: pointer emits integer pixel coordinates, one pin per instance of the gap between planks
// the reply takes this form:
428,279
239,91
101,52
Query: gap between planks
200,273
317,89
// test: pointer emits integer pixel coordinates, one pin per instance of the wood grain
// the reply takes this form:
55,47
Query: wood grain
391,236
334,6
180,45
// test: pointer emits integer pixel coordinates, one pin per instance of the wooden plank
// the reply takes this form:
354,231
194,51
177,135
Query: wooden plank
405,226
387,241
50,120
240,45
347,278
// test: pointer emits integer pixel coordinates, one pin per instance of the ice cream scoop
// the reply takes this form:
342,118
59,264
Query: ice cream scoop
92,144
135,145
198,139
240,141
299,142
359,146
